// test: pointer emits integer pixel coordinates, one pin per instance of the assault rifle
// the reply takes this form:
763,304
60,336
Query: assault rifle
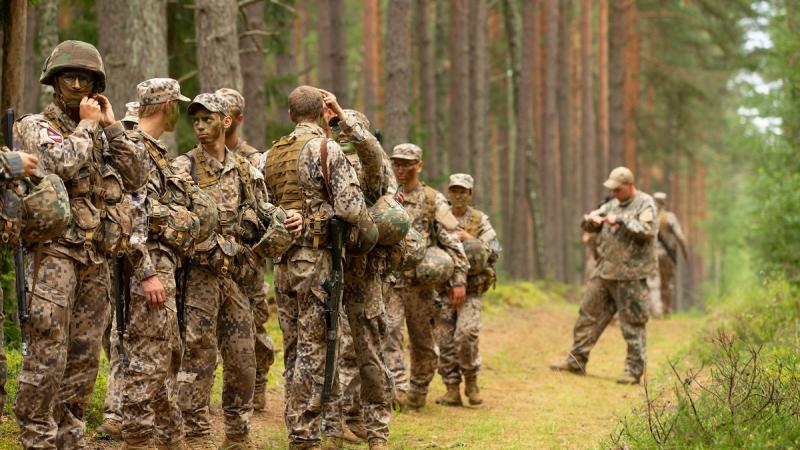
673,255
333,287
120,307
19,250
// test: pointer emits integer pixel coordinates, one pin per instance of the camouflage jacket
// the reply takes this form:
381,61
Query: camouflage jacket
10,166
670,230
626,251
372,164
476,223
436,223
65,148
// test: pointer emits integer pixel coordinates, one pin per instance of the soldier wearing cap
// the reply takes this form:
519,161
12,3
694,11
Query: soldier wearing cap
78,139
459,325
256,290
131,119
670,239
627,227
217,313
407,297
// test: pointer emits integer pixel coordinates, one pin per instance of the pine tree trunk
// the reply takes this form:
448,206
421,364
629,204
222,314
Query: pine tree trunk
460,145
631,88
133,45
479,104
33,65
339,52
589,155
286,60
617,84
14,34
324,45
442,76
217,40
602,97
372,75
397,72
552,193
254,73
567,199
47,35
427,83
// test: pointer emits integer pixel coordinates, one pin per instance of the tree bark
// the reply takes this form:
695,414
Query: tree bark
324,45
14,34
286,25
631,87
442,77
339,52
553,249
254,73
567,182
47,35
33,66
602,96
460,145
217,40
427,84
397,72
617,84
589,155
372,66
479,101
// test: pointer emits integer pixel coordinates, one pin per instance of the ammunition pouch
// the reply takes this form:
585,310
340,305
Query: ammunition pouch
10,216
115,229
482,282
247,267
174,226
217,254
318,231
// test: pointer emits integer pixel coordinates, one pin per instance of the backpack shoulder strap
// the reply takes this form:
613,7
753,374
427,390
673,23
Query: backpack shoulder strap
323,151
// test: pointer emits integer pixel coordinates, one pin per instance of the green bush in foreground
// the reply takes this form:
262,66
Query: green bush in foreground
740,389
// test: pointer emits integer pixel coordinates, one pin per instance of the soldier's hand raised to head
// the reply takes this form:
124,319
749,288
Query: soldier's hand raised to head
89,109
332,103
106,109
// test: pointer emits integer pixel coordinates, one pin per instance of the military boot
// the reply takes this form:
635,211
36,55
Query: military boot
566,367
628,379
358,429
111,428
472,391
415,400
174,445
400,401
237,442
260,400
452,397
203,442
137,444
378,444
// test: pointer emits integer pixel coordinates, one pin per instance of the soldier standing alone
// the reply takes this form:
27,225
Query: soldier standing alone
627,233
670,238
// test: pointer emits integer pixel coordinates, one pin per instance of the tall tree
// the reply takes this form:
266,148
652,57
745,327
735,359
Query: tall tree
459,141
33,65
632,62
397,72
252,42
133,41
14,34
284,21
603,131
427,84
442,22
372,64
47,36
589,179
616,71
332,60
479,99
217,39
565,122
552,193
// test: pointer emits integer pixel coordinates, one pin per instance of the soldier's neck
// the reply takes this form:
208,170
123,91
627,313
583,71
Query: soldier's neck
153,126
411,185
232,141
459,212
216,149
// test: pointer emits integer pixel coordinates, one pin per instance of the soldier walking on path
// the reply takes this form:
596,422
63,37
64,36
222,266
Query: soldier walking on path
627,226
670,239
460,324
308,174
78,139
256,289
413,294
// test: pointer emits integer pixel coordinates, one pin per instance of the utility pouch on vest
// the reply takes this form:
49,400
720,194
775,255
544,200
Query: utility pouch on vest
174,226
219,257
116,229
318,227
9,217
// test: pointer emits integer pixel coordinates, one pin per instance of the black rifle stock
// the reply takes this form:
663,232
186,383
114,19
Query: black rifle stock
120,310
182,282
670,251
19,250
333,287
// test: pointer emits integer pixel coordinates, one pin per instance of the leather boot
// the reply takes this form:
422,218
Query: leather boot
400,401
137,444
628,379
260,400
358,429
174,445
472,391
415,400
200,443
237,442
378,444
565,367
452,397
111,428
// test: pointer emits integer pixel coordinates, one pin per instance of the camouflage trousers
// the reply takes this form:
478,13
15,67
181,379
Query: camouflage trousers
218,315
666,274
69,305
601,300
3,362
457,337
416,304
264,347
112,406
153,348
346,404
301,308
365,381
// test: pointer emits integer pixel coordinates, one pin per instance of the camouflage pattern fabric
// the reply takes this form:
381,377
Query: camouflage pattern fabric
672,233
457,333
112,405
601,300
298,282
346,377
3,363
159,90
10,165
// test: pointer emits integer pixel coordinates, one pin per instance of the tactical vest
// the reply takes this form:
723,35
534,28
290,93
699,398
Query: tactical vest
102,220
281,171
429,214
473,225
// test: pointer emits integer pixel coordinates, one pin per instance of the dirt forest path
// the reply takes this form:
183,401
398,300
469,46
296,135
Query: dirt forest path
526,405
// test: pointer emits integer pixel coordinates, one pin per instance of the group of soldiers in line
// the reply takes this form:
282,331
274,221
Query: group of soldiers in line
632,241
183,245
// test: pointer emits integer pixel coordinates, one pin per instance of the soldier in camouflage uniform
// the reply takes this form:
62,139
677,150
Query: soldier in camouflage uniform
408,298
670,239
77,138
13,166
152,342
217,313
370,387
256,291
627,227
459,325
309,174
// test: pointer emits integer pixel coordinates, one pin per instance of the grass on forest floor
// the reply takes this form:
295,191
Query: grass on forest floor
526,327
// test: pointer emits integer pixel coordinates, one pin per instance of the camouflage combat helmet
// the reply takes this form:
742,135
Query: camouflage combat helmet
360,118
362,236
74,55
392,220
436,268
276,240
45,211
477,256
406,254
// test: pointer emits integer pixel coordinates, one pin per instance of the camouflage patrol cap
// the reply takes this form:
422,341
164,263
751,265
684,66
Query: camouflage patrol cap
462,180
407,151
159,90
660,196
619,176
131,112
233,97
358,116
74,55
212,102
